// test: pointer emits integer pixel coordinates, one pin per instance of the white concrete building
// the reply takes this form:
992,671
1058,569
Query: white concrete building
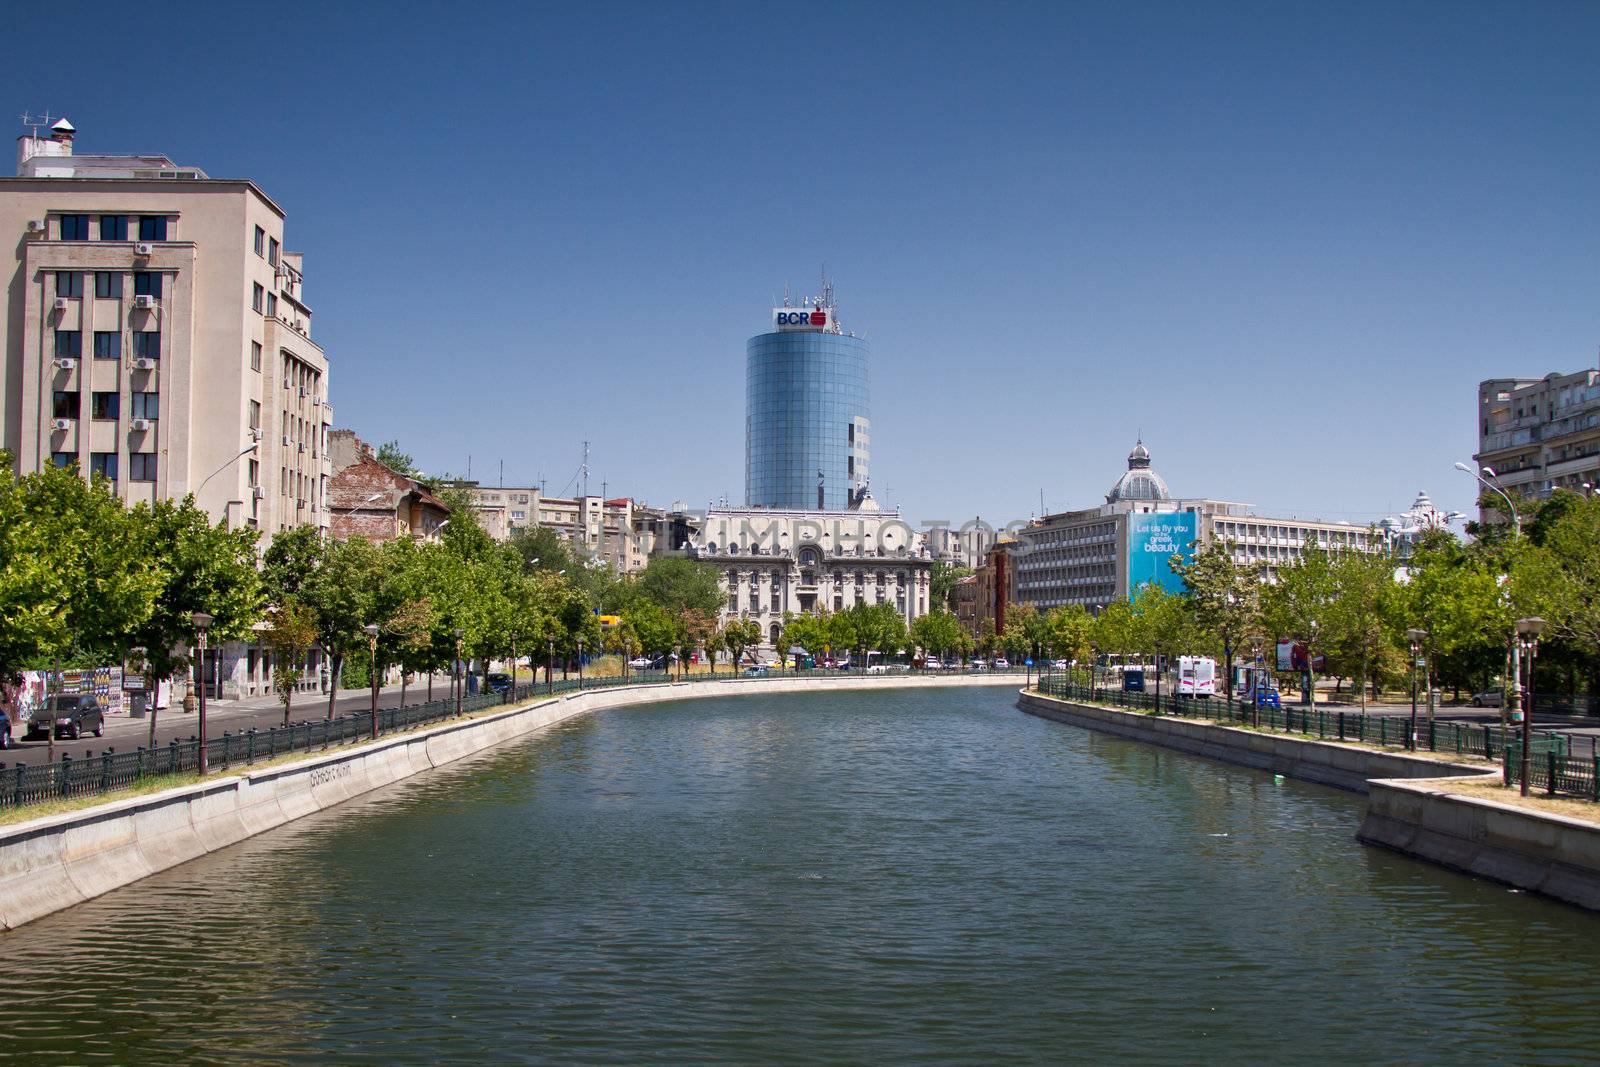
156,333
774,561
1540,434
622,532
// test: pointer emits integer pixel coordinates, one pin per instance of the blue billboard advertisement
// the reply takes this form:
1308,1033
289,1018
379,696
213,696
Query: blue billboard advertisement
1153,539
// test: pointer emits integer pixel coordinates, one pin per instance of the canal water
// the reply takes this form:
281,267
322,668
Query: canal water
913,876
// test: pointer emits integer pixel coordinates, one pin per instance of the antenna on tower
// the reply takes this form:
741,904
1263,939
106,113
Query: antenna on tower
33,122
583,471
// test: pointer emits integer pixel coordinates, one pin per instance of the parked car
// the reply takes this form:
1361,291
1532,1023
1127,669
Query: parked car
640,663
74,715
499,683
978,665
1061,665
1002,664
1490,698
754,672
878,668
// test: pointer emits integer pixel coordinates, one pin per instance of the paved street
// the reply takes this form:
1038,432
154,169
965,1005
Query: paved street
126,734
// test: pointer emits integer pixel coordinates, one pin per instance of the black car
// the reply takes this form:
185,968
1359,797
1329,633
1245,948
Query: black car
499,683
74,715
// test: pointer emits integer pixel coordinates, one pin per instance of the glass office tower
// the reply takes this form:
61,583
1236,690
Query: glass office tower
805,415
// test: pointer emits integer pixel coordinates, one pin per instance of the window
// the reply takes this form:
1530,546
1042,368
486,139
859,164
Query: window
272,305
146,283
145,406
255,414
104,405
255,355
69,344
103,464
113,227
74,227
254,475
64,405
63,459
107,344
147,344
107,284
261,240
272,251
142,467
69,283
258,297
152,227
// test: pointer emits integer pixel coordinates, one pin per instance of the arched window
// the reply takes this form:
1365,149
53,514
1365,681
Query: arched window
773,633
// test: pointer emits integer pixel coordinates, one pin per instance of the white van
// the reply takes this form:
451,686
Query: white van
1197,676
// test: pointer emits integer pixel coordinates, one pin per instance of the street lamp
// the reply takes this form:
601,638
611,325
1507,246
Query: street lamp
550,669
1416,637
1516,523
457,671
372,672
202,623
1258,671
1311,670
1528,631
580,663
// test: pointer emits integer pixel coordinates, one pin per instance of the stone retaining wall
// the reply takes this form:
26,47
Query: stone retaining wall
1329,763
54,862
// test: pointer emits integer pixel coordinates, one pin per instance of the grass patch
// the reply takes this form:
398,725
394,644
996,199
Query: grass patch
1572,807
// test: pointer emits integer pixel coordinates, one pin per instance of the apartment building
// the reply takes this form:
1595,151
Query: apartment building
1096,555
620,531
157,334
1540,434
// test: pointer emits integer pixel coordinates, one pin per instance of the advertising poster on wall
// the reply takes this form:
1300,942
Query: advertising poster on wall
1153,539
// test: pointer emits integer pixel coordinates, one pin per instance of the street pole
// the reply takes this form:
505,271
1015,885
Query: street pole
550,669
512,695
372,673
1529,630
1416,638
1427,680
461,682
580,663
202,623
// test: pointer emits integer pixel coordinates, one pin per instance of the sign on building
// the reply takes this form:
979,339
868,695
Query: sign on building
1153,539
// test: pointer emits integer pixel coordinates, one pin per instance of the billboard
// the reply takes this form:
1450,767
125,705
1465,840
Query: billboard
786,319
1153,539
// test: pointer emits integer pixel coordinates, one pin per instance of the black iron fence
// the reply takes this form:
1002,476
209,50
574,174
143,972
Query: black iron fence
22,784
1553,774
1467,740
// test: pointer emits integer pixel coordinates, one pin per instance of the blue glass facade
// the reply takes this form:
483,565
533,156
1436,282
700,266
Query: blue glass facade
805,411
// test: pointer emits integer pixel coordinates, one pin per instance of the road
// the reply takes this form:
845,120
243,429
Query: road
125,734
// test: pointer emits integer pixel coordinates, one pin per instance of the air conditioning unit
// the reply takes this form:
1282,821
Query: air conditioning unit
141,424
61,303
302,392
66,363
144,249
146,302
255,433
144,364
36,225
259,492
61,424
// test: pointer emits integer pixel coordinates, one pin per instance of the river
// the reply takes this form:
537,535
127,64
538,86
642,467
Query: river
911,876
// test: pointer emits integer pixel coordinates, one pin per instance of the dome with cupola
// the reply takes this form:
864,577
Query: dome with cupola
1140,482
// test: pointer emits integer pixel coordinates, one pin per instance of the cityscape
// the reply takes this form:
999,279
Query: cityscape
848,761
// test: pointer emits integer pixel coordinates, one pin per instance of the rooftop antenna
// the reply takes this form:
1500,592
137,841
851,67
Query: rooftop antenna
583,471
786,299
33,122
502,474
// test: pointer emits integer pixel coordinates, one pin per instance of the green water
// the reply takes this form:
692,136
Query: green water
910,876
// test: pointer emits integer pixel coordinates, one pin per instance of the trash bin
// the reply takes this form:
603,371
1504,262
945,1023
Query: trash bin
138,705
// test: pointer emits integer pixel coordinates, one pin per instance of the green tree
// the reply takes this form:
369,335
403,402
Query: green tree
1224,597
541,549
290,632
1356,639
1070,627
391,456
942,579
678,584
1560,580
938,633
738,635
654,628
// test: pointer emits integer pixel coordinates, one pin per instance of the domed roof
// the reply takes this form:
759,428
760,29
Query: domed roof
1140,483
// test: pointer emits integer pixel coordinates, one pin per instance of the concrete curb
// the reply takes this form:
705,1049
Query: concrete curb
54,862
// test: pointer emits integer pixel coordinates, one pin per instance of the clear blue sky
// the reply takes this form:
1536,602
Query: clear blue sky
1283,241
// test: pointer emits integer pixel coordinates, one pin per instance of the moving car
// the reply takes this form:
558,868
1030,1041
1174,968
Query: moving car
640,663
74,715
1489,698
1002,664
754,672
499,683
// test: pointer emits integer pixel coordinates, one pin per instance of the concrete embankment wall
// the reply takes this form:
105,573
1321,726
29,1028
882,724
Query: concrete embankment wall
1539,851
1329,763
57,861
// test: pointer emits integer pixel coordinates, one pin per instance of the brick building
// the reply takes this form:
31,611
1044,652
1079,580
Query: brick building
368,499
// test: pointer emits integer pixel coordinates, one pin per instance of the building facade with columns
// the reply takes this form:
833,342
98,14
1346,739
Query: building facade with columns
774,562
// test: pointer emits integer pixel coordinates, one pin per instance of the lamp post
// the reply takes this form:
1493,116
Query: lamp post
511,694
1416,637
677,655
550,669
580,663
1528,631
1158,679
457,671
1311,670
1516,522
1257,671
202,623
372,672
1094,674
